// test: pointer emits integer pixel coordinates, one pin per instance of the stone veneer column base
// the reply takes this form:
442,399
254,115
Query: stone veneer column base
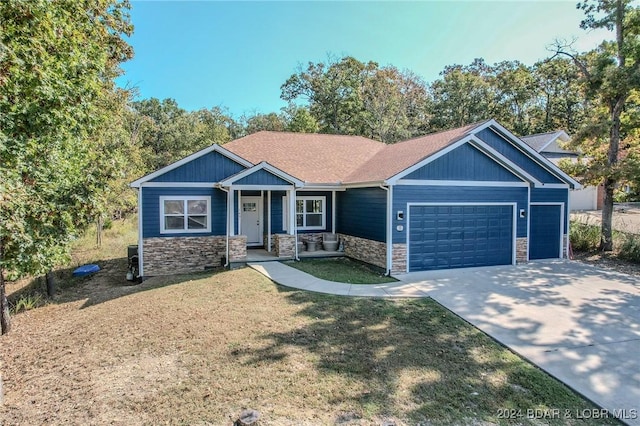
522,246
369,251
399,259
238,248
284,245
180,255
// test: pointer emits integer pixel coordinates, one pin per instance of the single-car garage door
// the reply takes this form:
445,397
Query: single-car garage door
545,229
460,236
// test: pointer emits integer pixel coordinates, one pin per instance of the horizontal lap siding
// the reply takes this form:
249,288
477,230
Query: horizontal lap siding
505,148
211,167
403,194
362,212
464,163
151,210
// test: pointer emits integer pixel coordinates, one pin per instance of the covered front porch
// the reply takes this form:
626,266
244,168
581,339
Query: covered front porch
271,215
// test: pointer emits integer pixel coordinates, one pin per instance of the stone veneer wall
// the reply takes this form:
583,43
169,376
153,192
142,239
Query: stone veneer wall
284,245
238,248
177,255
373,252
522,245
399,258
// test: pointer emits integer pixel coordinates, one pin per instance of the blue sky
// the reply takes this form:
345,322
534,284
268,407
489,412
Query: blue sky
237,54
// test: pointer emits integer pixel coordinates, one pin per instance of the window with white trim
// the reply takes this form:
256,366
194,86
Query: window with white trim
186,214
311,213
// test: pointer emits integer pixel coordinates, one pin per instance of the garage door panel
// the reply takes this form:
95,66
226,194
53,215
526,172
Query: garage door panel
460,236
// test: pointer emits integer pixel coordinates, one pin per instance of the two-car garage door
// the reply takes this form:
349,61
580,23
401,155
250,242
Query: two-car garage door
460,236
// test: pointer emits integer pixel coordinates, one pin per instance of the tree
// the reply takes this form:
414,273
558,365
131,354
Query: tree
611,72
463,95
300,120
259,122
561,96
351,97
58,60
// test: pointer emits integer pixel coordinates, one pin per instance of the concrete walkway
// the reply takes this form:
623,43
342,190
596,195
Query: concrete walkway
579,323
294,278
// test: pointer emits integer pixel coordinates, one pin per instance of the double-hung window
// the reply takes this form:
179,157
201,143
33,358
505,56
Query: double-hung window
311,213
185,214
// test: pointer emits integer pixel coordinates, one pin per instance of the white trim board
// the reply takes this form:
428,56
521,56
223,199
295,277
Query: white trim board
461,183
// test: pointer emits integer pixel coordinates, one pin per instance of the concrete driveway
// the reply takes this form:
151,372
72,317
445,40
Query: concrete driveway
579,323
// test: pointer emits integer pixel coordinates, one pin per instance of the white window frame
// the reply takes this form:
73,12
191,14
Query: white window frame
285,212
185,199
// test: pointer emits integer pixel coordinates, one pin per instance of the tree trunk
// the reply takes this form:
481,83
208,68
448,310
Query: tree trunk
606,239
99,225
606,232
51,284
5,318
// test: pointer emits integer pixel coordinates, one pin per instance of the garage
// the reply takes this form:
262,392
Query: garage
460,236
545,230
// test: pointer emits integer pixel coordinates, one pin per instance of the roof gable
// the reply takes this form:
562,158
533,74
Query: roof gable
401,156
465,163
262,174
210,164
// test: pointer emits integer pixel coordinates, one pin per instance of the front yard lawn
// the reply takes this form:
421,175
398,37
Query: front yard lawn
198,349
342,270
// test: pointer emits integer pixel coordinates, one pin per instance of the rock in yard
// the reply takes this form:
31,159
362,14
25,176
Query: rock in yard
247,418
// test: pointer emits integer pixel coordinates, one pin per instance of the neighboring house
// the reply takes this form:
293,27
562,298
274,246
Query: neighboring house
471,196
585,198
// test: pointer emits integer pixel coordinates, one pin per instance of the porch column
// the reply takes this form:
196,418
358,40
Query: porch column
231,212
291,226
269,220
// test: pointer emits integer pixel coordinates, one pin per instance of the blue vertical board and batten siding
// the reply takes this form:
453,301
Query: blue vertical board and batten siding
464,163
404,194
362,212
276,212
262,177
211,167
151,210
507,149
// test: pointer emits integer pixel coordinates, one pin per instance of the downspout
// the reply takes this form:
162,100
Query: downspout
389,243
295,227
226,265
140,237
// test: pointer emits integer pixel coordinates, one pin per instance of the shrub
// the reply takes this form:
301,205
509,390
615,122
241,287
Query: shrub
584,237
630,248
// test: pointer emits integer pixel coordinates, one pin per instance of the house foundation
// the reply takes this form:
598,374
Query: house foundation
180,255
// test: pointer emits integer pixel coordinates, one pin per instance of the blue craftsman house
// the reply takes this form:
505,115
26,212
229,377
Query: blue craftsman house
472,196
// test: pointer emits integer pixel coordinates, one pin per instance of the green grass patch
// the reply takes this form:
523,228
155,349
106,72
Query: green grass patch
342,270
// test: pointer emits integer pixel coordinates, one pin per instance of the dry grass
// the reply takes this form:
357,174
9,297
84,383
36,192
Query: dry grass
199,349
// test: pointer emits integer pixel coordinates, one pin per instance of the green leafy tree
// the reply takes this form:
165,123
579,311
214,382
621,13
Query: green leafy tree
611,74
300,120
58,60
562,102
259,122
462,96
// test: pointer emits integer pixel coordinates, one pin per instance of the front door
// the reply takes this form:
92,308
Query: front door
251,220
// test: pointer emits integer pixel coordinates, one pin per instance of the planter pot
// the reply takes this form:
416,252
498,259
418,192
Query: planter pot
311,246
330,245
